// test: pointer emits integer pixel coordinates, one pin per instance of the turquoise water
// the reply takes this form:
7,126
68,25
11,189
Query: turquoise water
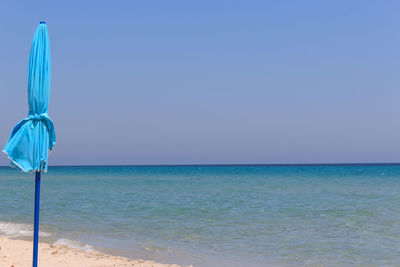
215,215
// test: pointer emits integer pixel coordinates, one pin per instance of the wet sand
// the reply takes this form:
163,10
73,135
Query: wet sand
18,253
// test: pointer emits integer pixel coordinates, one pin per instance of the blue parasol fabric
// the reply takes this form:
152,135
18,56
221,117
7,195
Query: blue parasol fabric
32,137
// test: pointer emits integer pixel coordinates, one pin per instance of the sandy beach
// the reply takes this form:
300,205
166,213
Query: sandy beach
18,253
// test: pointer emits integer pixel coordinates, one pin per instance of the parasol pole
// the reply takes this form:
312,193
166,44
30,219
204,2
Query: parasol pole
36,222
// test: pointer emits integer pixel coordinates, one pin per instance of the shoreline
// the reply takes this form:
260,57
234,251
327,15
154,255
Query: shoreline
18,253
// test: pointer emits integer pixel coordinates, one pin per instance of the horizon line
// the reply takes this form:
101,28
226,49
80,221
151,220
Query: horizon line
226,164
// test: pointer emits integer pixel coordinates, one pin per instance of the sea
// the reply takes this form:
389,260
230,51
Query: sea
261,215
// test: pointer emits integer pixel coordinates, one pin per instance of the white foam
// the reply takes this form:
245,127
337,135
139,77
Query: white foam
15,230
74,244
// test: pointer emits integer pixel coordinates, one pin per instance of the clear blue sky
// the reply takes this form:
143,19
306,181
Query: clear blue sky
192,82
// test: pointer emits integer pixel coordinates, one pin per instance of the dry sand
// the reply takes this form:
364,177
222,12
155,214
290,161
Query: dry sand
18,253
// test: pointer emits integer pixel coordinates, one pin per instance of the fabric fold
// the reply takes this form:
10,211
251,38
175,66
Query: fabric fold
30,141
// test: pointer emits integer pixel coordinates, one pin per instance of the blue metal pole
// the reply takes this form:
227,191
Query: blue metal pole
36,222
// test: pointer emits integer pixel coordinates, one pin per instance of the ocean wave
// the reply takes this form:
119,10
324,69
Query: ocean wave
15,230
74,244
